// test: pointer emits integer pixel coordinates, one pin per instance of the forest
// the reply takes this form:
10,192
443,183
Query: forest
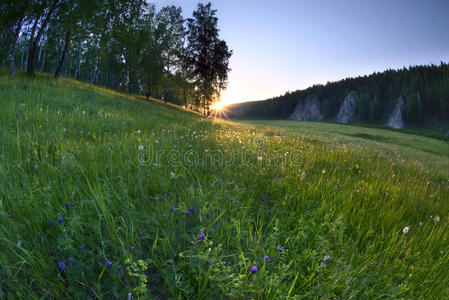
425,88
128,46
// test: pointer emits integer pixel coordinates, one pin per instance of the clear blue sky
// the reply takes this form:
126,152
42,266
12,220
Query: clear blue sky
288,45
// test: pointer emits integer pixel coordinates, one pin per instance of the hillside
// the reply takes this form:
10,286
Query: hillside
424,88
104,194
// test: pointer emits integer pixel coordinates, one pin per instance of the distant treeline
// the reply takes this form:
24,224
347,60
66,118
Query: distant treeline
425,88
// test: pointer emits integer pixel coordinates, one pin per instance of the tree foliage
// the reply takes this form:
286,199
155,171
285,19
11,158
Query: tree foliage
207,55
125,45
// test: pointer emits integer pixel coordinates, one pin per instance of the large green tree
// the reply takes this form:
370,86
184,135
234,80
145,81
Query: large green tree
207,55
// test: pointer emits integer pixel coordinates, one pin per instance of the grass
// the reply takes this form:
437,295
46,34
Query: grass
336,198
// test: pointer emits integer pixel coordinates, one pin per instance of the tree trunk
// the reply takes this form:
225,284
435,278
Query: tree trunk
32,53
13,51
95,77
33,32
64,55
78,62
42,63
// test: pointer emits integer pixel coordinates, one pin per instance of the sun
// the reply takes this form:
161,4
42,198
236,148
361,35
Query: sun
218,106
218,109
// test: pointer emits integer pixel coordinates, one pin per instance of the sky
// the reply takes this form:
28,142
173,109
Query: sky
282,45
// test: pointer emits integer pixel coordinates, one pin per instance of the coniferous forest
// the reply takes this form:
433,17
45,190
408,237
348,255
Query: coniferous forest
130,46
425,88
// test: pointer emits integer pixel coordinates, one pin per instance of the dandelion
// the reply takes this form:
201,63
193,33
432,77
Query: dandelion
406,229
62,266
108,264
436,219
266,258
420,223
201,236
140,147
253,269
59,219
281,249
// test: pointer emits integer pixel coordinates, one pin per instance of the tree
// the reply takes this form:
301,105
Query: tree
44,9
207,55
375,110
13,15
363,105
413,109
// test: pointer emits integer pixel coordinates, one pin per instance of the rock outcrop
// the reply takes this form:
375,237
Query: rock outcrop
348,109
308,109
396,119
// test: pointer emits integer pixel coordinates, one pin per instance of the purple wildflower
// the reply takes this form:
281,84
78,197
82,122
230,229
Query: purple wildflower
201,236
108,264
262,197
191,208
62,265
262,202
70,259
219,226
281,249
187,213
266,258
172,208
253,269
207,262
67,204
50,223
59,219
271,201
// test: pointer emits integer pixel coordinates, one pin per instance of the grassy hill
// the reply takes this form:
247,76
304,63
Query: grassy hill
104,194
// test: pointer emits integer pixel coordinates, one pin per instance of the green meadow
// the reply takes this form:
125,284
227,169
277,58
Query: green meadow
109,196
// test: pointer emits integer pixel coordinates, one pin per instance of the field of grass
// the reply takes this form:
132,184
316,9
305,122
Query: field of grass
103,194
